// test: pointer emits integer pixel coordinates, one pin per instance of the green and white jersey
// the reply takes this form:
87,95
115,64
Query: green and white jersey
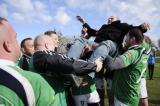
57,84
126,81
21,88
90,87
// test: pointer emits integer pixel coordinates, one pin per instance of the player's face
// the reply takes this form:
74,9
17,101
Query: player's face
112,19
126,41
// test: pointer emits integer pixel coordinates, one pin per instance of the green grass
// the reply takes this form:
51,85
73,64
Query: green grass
153,88
158,53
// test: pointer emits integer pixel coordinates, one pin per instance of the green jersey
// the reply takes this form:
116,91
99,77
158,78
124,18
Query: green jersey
38,92
57,84
147,51
126,82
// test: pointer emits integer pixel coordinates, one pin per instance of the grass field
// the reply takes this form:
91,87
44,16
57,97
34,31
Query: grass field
153,87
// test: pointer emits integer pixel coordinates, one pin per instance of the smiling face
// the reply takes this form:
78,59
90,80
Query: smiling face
112,19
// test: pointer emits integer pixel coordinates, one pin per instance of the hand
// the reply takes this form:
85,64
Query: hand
84,31
84,83
99,64
79,18
146,26
87,49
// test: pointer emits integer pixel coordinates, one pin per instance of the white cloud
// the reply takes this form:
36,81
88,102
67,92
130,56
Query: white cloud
18,16
61,16
133,10
21,5
31,11
4,11
39,6
42,12
83,4
45,18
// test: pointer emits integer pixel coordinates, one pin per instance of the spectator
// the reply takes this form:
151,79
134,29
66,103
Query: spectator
129,68
18,87
151,62
27,49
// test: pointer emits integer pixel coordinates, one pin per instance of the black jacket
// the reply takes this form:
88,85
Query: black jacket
24,62
58,63
114,31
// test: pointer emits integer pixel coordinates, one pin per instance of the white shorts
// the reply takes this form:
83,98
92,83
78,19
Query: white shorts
143,88
82,100
99,83
118,103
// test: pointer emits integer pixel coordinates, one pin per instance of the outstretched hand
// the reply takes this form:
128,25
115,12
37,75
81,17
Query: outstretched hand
99,64
79,18
146,26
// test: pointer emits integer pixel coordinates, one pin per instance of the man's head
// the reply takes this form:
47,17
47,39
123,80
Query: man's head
43,42
9,46
147,40
112,19
133,37
84,31
54,37
27,46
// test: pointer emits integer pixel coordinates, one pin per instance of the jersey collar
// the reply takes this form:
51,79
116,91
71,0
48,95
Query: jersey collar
6,62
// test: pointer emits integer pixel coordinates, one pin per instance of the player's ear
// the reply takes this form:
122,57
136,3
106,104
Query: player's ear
7,46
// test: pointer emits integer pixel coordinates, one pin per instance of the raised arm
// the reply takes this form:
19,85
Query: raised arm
143,27
90,31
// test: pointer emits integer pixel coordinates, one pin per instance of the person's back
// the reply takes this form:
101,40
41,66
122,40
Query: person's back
151,59
29,88
151,62
18,87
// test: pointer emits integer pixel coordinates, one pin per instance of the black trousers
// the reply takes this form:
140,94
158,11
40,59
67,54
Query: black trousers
93,104
151,70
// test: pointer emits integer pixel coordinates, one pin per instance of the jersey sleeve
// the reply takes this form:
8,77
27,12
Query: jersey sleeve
129,57
44,94
58,63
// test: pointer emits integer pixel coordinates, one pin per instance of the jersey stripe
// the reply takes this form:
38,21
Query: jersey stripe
11,82
30,97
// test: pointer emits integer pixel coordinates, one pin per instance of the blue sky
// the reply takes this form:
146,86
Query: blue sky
32,17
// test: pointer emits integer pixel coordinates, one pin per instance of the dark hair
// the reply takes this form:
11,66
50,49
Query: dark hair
23,41
50,32
2,19
135,32
147,40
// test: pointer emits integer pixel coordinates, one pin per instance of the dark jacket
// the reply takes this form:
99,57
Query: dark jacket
58,63
24,62
114,31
